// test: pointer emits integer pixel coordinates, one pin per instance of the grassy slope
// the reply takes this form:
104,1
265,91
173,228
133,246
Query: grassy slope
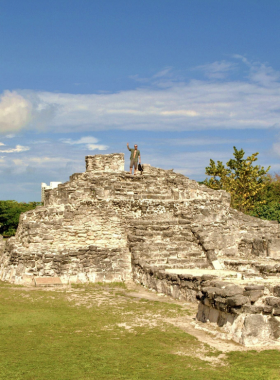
48,335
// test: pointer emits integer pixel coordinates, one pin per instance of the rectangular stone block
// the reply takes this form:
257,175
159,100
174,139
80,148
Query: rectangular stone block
274,248
46,281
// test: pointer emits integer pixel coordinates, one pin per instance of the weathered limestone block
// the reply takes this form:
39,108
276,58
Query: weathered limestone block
259,247
246,329
274,248
105,163
273,301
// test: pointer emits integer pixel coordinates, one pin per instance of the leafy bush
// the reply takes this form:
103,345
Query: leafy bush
269,211
9,215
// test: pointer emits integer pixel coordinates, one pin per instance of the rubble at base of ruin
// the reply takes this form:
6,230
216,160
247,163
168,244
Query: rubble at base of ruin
162,230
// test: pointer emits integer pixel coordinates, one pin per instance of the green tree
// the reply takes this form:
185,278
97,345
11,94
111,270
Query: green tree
271,195
9,215
271,192
243,180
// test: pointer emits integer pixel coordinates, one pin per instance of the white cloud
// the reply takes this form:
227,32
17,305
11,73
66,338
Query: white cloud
89,141
260,72
1,143
188,106
161,106
264,75
17,149
243,59
10,136
15,112
97,147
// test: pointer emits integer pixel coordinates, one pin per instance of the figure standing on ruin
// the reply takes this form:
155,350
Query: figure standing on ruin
134,156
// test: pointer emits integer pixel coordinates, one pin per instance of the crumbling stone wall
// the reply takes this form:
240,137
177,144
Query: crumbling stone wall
248,313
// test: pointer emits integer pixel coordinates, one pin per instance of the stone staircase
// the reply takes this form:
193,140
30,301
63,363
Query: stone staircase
166,244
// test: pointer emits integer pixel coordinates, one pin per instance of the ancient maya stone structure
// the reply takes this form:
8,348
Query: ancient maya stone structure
162,230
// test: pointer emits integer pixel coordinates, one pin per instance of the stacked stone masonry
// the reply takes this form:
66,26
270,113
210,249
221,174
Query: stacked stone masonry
106,225
248,312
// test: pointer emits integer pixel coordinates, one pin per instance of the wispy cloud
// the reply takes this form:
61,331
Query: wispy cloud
260,73
39,142
206,141
88,141
217,70
17,149
82,140
44,160
163,73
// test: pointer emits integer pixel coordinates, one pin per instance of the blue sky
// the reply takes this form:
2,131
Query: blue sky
186,80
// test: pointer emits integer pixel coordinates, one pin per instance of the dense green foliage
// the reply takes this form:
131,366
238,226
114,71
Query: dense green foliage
271,192
269,212
9,215
271,196
241,178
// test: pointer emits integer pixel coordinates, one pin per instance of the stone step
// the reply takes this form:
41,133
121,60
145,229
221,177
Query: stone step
160,227
181,261
176,262
205,265
156,262
179,252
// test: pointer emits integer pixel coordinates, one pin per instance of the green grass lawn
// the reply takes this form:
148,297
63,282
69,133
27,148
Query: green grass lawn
100,332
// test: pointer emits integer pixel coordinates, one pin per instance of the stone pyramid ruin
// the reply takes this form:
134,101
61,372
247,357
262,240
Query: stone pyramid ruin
162,230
